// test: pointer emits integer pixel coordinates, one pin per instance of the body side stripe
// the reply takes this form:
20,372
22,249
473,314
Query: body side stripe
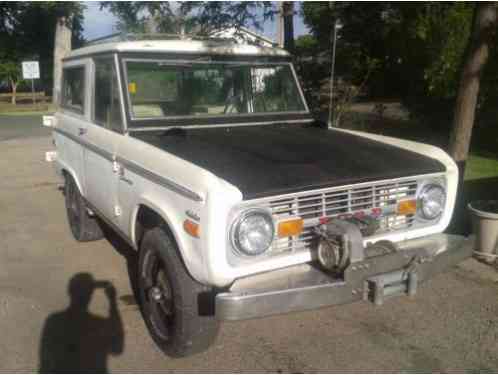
135,168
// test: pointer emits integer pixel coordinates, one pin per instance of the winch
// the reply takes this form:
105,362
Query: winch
340,243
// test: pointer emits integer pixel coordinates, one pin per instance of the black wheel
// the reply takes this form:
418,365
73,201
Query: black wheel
169,298
83,226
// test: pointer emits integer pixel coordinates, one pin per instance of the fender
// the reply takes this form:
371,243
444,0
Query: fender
63,166
190,252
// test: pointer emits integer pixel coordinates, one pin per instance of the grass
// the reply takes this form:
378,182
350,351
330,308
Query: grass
481,167
27,113
25,104
23,109
483,159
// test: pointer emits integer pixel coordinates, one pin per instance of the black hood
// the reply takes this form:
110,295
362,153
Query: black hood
270,160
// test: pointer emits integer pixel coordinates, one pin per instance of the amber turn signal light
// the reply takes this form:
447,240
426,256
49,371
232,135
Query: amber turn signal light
290,228
191,228
407,207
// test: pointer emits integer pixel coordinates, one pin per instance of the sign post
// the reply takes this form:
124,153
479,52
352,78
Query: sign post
31,70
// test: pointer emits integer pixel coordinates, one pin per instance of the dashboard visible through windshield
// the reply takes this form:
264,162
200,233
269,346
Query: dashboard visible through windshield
171,90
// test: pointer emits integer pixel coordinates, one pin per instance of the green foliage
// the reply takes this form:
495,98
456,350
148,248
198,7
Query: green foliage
214,15
306,45
418,47
29,32
446,34
134,15
199,17
10,71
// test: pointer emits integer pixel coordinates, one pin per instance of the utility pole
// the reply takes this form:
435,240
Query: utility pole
332,70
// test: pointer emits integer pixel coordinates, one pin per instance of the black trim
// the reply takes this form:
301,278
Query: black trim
159,180
135,168
99,151
224,120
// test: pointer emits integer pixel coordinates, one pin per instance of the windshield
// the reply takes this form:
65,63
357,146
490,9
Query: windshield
162,90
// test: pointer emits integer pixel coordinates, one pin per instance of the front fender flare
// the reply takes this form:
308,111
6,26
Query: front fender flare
191,258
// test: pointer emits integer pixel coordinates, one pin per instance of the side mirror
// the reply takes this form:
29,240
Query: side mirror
49,121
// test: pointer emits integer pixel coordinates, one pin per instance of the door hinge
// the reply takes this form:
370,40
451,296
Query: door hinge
117,211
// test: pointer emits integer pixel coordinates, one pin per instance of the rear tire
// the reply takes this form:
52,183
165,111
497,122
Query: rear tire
169,298
83,226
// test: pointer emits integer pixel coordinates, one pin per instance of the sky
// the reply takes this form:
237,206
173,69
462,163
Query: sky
98,23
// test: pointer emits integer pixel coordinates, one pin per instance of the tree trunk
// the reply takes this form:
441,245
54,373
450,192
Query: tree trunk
288,15
484,25
62,47
13,85
474,61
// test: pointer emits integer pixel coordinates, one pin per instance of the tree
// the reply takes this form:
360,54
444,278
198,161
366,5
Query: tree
199,17
420,45
144,16
23,36
476,57
11,72
66,13
211,16
288,23
62,47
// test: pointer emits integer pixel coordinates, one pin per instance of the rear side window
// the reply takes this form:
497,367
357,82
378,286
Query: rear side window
107,106
73,89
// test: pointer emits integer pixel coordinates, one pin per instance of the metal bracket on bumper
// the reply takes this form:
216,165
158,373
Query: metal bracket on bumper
305,286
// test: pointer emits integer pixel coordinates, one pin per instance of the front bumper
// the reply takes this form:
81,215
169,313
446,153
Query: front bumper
306,287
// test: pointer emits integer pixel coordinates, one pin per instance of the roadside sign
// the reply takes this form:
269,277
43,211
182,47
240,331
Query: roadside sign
30,70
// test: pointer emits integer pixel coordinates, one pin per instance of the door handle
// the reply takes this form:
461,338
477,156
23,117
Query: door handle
82,131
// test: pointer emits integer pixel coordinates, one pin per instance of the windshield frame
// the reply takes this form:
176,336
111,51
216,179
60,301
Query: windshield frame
213,120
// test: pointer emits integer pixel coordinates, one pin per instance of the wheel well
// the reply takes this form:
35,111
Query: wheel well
146,219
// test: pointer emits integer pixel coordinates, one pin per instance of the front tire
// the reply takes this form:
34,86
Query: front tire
169,298
83,227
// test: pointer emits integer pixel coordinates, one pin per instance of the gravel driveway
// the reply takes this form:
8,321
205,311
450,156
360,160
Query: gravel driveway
450,326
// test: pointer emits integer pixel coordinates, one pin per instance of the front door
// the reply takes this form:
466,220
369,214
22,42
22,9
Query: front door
73,118
103,136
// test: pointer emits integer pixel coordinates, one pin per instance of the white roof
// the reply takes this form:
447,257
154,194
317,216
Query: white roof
180,46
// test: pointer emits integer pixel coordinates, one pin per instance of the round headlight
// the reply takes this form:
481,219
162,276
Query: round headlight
431,199
252,233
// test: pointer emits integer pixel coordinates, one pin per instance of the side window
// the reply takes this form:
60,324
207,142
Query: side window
73,89
107,108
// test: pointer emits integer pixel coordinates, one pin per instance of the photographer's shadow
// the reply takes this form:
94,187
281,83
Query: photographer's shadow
74,340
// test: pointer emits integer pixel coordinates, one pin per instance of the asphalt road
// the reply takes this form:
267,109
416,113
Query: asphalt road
20,126
450,326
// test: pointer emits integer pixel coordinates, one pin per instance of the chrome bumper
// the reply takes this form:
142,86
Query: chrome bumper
306,287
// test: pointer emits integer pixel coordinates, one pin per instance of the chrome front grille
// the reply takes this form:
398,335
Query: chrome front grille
376,199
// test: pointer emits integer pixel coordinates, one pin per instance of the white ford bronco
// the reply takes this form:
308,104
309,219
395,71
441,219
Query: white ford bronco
204,157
